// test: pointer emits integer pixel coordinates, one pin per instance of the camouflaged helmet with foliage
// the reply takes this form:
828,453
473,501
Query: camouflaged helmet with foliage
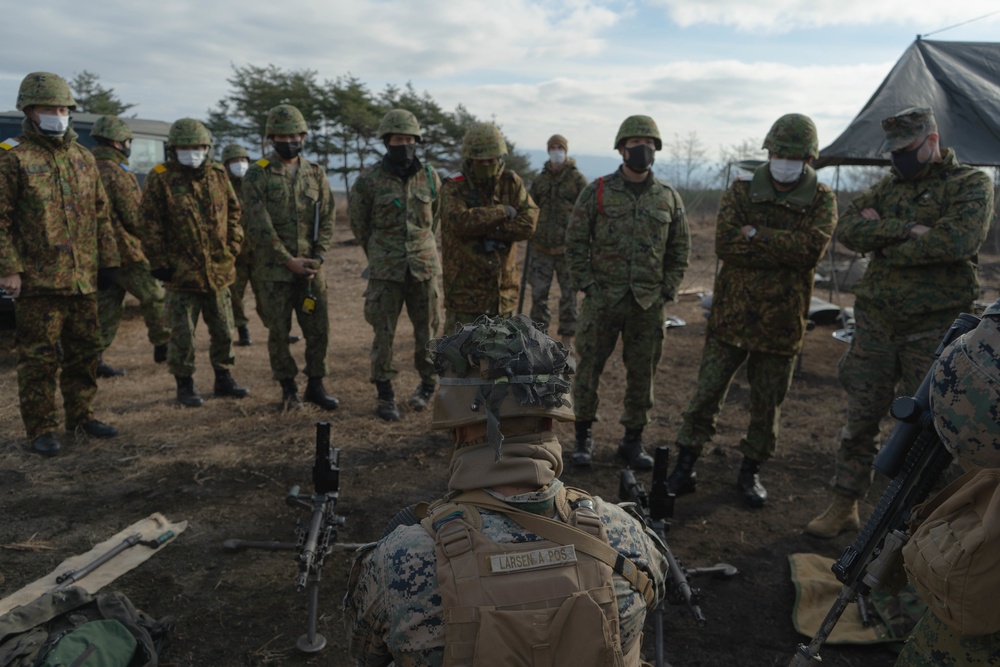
483,141
499,368
399,121
46,89
638,126
234,151
793,136
285,119
112,128
188,132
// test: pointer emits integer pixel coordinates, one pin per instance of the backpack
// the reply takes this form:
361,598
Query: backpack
951,560
75,628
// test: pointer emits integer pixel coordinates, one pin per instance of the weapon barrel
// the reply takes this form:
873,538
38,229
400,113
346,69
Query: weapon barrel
308,553
70,577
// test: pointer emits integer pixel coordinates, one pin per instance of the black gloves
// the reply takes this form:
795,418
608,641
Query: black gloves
106,277
164,274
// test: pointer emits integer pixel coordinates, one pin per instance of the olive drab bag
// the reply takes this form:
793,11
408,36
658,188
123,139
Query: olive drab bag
952,559
75,628
545,603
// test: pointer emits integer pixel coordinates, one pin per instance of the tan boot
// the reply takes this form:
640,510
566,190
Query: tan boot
841,515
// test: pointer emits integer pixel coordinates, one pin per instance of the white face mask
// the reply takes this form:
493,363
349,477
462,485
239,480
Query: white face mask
557,156
53,124
239,169
786,171
191,158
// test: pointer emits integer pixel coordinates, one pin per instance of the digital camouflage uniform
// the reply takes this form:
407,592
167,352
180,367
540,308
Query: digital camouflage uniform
555,192
55,232
910,294
628,255
395,222
760,302
280,218
191,222
479,244
124,197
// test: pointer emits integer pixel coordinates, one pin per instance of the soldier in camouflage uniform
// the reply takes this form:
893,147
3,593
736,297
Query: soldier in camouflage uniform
57,247
965,402
289,216
114,143
555,191
772,231
485,211
393,211
401,592
627,247
922,226
192,236
237,162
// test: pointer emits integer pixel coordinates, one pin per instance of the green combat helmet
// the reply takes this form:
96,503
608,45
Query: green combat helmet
399,121
500,368
188,132
483,141
233,151
285,119
112,128
793,135
46,89
638,126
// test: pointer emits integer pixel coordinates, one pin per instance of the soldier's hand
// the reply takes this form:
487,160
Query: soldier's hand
11,285
106,277
918,230
301,266
870,214
509,211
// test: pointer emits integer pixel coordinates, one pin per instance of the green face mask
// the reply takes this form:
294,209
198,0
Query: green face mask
483,171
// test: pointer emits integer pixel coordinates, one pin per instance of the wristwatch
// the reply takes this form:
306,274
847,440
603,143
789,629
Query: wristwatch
752,232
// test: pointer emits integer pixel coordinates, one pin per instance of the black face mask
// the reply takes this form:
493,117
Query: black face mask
640,158
125,150
288,150
403,154
907,163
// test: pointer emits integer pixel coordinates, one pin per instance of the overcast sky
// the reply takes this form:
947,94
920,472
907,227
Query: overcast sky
722,68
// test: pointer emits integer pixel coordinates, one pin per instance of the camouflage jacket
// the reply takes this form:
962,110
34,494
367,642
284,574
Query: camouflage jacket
622,244
191,224
478,243
907,278
393,607
54,226
124,197
396,223
762,293
245,258
555,192
281,215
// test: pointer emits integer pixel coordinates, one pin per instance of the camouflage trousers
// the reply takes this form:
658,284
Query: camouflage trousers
934,644
454,318
237,290
543,267
384,300
770,375
880,365
278,301
217,311
53,333
641,332
136,280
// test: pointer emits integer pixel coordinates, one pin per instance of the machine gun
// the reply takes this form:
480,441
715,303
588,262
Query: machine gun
913,458
655,508
316,539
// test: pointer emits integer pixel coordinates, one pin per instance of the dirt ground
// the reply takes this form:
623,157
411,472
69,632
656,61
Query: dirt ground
225,468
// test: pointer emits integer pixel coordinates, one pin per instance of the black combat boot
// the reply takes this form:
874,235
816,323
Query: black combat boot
421,396
290,394
97,429
105,371
159,353
47,444
244,337
316,394
386,410
749,482
225,385
630,449
684,479
186,394
583,452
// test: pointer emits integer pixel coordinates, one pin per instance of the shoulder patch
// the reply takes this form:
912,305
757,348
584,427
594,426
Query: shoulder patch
160,168
263,162
124,166
456,177
7,144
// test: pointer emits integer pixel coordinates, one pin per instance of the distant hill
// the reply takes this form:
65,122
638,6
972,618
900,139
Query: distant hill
590,166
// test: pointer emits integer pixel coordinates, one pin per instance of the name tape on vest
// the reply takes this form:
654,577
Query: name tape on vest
530,560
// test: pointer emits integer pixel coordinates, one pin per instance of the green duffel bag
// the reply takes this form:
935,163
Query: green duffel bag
105,643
